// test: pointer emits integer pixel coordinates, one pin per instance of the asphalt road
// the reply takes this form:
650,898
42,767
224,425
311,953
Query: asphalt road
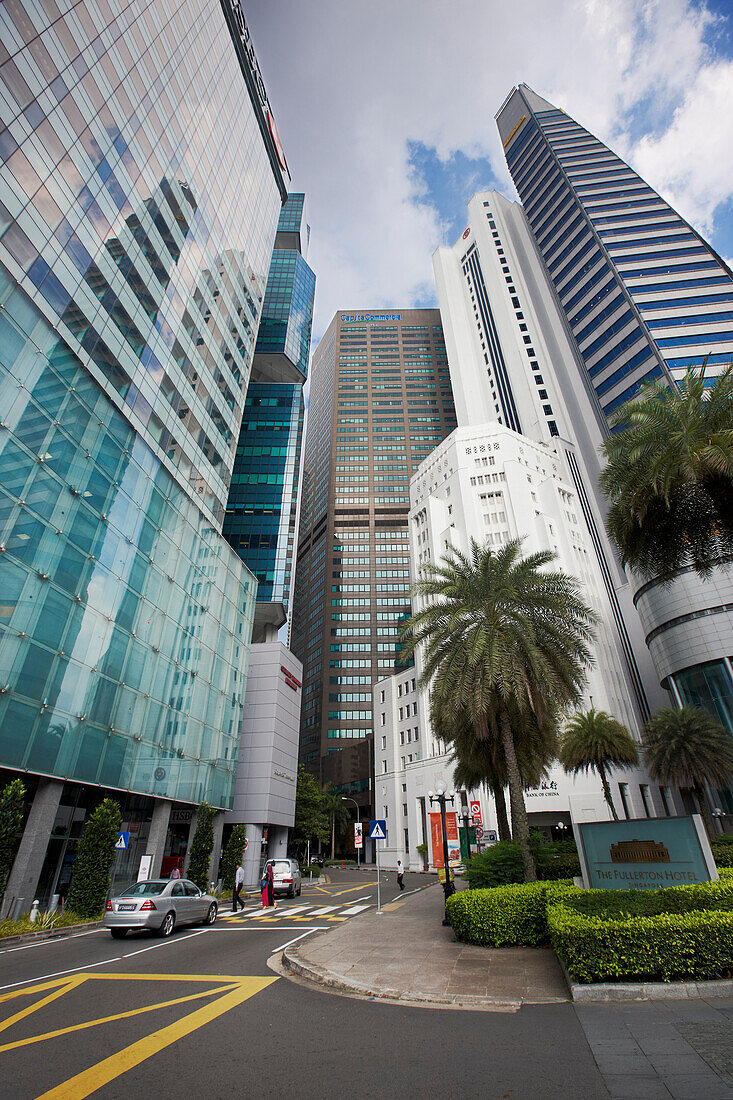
201,1015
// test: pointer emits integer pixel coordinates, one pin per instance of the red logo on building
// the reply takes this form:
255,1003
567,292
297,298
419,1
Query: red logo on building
466,232
290,680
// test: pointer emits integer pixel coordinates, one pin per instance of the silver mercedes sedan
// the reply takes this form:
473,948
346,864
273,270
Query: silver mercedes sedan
159,904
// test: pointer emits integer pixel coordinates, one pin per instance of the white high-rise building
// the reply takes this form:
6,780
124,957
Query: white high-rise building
523,463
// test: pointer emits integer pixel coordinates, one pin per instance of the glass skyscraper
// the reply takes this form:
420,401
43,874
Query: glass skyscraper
140,187
262,506
380,401
644,294
644,297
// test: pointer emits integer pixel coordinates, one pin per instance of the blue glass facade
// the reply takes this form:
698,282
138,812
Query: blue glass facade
124,619
132,278
261,512
632,277
262,507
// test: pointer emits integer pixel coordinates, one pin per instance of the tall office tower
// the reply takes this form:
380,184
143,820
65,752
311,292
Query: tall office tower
380,400
260,525
141,183
644,297
262,505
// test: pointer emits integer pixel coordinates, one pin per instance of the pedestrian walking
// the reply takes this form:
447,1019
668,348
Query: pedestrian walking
175,871
268,888
238,884
400,875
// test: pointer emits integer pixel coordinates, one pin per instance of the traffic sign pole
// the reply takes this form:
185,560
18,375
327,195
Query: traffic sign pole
377,832
379,896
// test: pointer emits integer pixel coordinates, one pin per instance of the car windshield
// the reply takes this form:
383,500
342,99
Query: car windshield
145,889
280,865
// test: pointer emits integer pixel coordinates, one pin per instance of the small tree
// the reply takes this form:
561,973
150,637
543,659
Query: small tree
336,811
11,819
90,875
233,854
311,818
689,747
595,741
202,846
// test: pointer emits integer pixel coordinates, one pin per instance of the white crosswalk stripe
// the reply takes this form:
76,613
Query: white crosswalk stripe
353,909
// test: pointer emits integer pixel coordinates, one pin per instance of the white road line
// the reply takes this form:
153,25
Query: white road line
52,939
102,962
280,928
352,910
284,945
320,912
365,898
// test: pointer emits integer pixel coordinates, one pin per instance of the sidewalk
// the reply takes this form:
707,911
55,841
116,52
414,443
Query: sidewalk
406,954
654,1050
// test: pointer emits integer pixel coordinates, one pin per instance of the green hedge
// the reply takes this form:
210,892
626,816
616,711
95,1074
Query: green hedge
723,851
678,932
506,916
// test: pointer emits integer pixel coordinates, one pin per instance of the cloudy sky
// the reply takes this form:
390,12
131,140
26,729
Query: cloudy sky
386,113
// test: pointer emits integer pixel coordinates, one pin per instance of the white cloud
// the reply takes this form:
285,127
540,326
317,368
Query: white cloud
352,83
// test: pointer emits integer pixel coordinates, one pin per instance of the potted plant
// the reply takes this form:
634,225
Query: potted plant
422,850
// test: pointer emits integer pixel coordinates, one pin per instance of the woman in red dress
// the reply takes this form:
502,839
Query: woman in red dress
268,889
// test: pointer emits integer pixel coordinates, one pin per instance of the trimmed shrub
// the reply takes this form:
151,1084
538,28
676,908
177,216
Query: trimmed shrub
90,874
233,854
505,916
615,935
202,846
558,860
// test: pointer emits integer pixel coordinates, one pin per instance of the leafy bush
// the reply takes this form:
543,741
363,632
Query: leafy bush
501,864
60,920
202,846
90,874
233,854
305,870
722,848
11,819
558,860
677,932
338,862
513,915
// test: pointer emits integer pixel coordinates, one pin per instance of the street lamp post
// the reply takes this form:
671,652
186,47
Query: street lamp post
358,850
466,816
441,798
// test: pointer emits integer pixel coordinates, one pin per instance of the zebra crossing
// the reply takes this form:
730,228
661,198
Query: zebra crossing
295,914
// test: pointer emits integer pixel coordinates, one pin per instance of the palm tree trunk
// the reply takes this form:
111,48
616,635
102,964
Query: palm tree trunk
707,817
607,791
502,819
516,798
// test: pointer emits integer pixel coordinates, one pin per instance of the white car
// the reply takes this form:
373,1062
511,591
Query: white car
286,876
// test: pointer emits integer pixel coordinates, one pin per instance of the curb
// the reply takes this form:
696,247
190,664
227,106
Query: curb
316,974
650,991
49,933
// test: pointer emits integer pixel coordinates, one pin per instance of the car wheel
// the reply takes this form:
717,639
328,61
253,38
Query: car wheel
291,892
211,915
169,923
299,891
119,933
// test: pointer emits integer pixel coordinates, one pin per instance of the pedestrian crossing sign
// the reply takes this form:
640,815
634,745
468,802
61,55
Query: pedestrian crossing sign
378,829
123,839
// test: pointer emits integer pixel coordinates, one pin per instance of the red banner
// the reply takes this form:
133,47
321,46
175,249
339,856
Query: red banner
436,836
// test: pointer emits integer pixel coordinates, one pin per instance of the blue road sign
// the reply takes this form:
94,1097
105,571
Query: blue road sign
123,839
378,829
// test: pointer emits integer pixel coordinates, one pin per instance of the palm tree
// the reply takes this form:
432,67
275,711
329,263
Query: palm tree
669,476
508,642
689,747
594,741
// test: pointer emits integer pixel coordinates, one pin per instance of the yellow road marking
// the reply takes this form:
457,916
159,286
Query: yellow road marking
110,1019
39,1004
89,1080
353,889
33,989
